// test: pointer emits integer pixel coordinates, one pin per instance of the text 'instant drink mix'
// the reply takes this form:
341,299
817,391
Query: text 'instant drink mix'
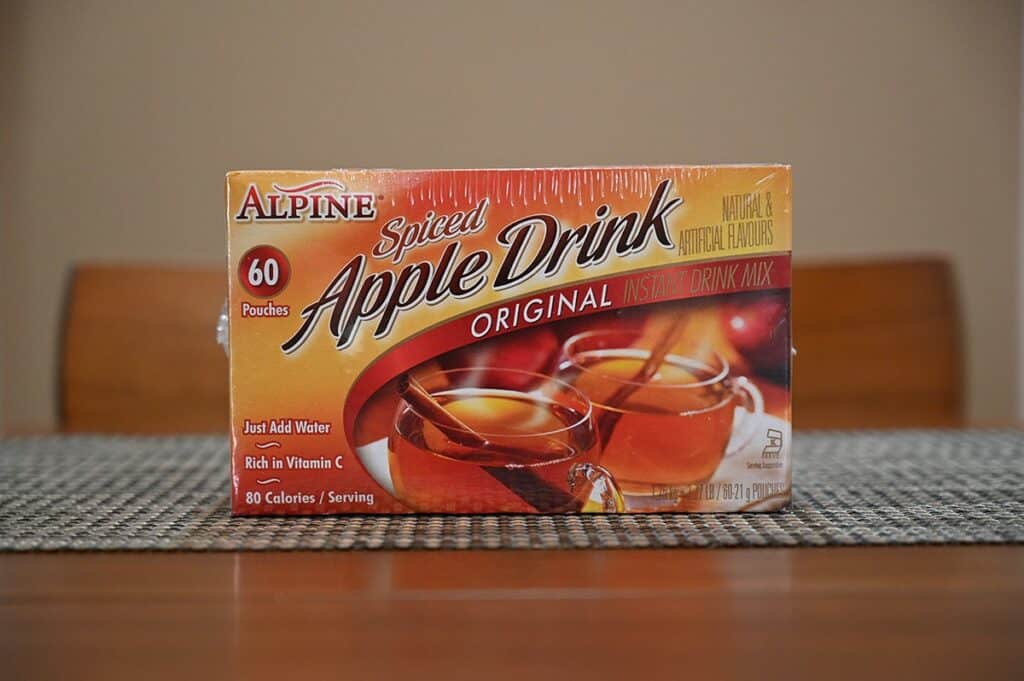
520,341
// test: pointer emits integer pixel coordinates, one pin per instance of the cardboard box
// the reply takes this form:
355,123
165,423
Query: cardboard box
520,341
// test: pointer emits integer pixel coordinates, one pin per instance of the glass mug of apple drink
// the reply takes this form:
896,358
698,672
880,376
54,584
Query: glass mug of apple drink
490,440
665,420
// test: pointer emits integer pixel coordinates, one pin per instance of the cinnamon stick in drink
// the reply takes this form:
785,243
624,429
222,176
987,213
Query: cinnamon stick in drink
524,482
610,416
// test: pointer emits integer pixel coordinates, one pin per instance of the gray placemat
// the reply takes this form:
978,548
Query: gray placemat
171,493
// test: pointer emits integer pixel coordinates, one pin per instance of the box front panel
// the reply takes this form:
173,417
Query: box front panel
568,340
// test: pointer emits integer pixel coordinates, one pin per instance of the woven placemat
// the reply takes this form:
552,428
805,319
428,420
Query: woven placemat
171,493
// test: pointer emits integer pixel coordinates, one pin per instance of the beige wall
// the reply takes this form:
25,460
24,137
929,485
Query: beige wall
900,119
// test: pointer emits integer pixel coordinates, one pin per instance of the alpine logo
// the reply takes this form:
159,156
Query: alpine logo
317,201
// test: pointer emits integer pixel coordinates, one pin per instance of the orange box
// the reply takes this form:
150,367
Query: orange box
510,341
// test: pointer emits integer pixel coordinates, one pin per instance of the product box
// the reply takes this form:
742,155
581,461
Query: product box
510,341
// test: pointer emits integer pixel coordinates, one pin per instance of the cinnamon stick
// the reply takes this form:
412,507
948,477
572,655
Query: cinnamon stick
609,417
533,489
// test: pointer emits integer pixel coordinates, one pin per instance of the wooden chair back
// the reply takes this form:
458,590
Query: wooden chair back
878,346
139,352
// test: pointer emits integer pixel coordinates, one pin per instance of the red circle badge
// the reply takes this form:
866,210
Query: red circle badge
264,271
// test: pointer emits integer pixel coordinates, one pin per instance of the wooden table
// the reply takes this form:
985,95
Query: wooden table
859,613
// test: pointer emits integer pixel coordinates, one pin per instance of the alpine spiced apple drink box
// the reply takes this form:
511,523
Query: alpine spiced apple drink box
521,341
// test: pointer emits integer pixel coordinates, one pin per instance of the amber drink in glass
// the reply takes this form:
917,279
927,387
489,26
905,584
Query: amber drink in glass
497,449
665,434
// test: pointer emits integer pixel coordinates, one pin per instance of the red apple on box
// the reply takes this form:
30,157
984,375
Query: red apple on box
757,325
534,350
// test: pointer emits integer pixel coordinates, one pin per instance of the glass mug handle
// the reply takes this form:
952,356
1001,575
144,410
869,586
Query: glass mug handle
611,499
753,407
